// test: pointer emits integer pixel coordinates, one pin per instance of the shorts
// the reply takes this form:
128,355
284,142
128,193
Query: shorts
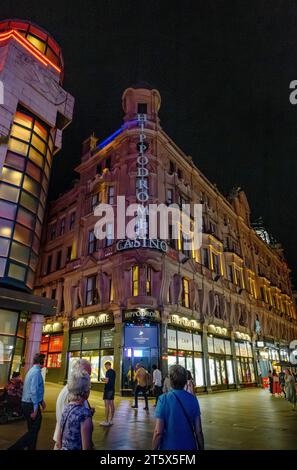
108,395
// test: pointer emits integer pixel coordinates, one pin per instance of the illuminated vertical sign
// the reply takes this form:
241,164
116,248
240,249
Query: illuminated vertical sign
142,190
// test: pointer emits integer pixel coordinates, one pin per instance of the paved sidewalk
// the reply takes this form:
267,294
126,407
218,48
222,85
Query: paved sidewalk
248,419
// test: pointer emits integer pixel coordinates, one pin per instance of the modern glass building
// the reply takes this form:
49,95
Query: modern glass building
33,114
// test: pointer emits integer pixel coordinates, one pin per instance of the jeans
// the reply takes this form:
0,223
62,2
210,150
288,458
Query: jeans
144,392
29,439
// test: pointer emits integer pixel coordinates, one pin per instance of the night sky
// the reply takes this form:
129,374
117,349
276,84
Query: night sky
223,69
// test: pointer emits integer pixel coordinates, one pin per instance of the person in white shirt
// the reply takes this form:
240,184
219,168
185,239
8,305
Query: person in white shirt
62,399
157,383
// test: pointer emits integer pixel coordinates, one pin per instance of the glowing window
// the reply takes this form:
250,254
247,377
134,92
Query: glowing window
135,277
33,171
17,146
9,193
28,202
23,119
16,272
39,144
15,161
4,246
31,186
40,45
26,218
19,253
186,296
36,157
21,133
40,130
6,227
7,210
22,235
11,176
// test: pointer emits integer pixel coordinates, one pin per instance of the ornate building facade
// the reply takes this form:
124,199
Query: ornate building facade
34,110
224,311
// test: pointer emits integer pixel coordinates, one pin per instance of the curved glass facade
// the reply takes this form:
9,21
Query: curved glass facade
23,190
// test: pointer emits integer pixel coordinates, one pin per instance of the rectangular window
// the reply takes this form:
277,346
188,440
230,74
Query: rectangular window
53,295
94,201
171,167
185,293
111,291
72,221
49,264
52,231
91,242
62,305
109,234
68,255
135,278
205,257
238,277
169,196
142,108
230,273
91,292
216,263
148,280
110,195
58,260
99,169
62,226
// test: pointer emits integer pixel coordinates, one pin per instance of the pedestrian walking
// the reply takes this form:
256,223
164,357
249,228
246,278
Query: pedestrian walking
108,394
178,423
290,388
270,377
32,402
63,397
76,427
142,379
157,383
276,390
190,385
166,384
282,382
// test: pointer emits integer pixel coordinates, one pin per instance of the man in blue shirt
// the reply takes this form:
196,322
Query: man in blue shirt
178,423
32,399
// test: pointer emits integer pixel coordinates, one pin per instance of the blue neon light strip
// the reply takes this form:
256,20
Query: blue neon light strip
109,139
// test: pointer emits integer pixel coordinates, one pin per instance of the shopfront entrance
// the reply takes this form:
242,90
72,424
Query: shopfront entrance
141,346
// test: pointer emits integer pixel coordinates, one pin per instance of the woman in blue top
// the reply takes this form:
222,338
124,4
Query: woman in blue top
76,427
178,416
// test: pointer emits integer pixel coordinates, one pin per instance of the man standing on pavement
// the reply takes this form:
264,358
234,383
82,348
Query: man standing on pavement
32,400
141,378
157,383
108,394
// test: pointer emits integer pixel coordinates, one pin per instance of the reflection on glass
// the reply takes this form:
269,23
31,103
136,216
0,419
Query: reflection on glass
199,375
218,369
212,372
230,371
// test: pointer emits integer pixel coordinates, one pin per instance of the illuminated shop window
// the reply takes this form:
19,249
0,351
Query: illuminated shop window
185,293
111,291
135,279
148,280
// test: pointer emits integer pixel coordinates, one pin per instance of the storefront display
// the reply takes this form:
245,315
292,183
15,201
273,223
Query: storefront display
245,362
95,345
185,348
220,361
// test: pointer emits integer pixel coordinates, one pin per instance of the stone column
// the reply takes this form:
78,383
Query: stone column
234,358
64,366
34,334
118,349
206,358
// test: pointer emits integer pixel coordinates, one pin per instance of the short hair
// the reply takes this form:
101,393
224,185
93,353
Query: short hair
79,384
39,359
154,367
189,375
107,363
177,376
80,364
15,375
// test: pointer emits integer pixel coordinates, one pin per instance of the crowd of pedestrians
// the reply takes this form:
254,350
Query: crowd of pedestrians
178,423
284,385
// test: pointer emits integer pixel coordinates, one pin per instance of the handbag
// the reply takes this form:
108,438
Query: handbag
189,422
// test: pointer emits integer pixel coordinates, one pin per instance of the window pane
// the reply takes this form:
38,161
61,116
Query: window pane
30,279
2,266
29,202
14,160
23,119
26,218
40,45
7,210
21,234
38,143
16,272
33,261
91,339
31,186
17,146
11,176
9,193
40,130
75,342
36,157
19,253
4,246
21,133
50,54
47,170
5,228
33,171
